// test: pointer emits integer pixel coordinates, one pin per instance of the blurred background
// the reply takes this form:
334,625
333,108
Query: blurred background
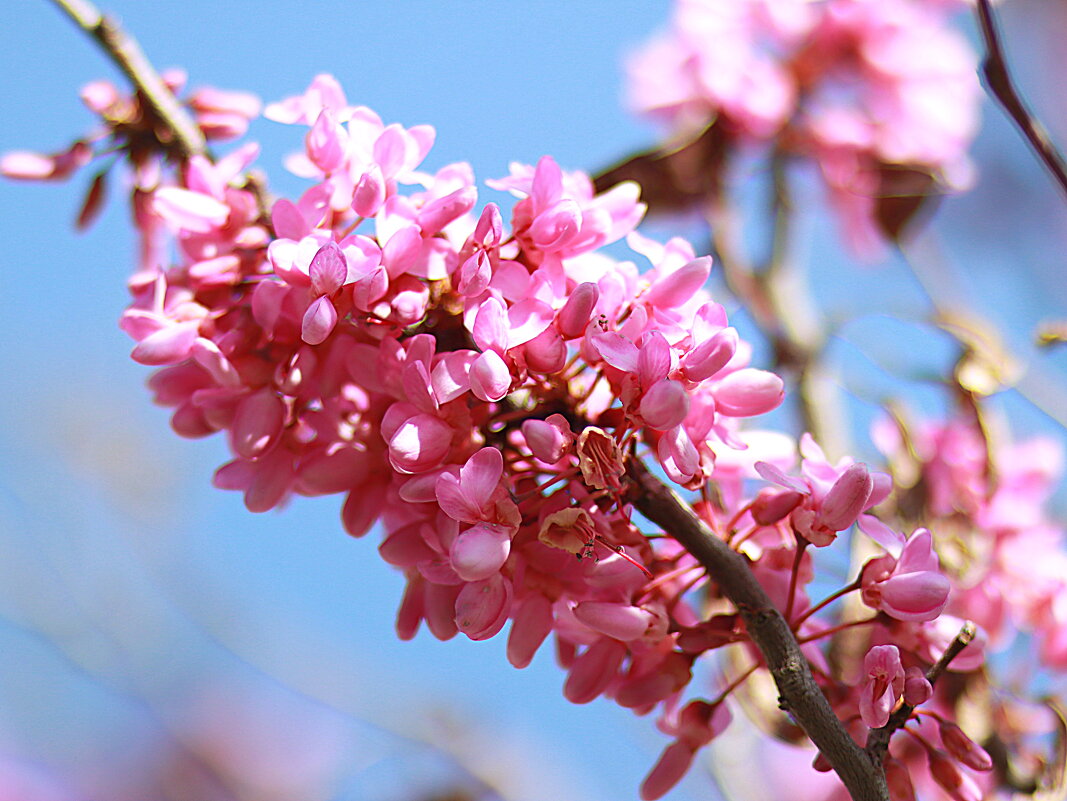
159,642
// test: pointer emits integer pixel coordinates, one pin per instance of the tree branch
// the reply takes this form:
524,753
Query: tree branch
127,55
1002,88
799,695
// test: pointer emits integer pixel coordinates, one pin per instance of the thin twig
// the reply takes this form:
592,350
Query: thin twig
123,49
998,81
799,694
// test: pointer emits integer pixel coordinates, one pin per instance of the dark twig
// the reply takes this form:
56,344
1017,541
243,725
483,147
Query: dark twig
998,81
878,740
798,693
123,49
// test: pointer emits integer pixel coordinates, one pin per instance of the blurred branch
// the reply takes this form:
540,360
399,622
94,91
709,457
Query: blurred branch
998,81
779,300
799,695
127,55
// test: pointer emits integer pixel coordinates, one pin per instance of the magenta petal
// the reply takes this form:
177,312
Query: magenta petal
287,221
665,405
775,475
480,551
668,771
846,499
532,624
527,319
480,476
438,213
369,193
676,288
576,313
257,423
328,269
453,502
319,320
619,621
490,329
885,536
616,350
594,670
490,377
420,443
482,607
711,355
749,392
915,596
188,210
653,359
167,345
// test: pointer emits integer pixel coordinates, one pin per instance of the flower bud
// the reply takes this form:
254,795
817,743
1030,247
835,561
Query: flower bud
963,747
578,310
369,193
710,356
951,779
917,689
665,405
749,392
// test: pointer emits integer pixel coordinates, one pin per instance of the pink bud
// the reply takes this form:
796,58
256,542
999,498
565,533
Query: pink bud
546,352
710,356
963,747
547,439
578,310
748,392
369,193
490,377
490,227
475,274
917,689
846,498
665,405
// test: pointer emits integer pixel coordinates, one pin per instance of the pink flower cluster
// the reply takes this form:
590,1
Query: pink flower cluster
480,391
857,85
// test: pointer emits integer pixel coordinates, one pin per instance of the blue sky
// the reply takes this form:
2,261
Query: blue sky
127,584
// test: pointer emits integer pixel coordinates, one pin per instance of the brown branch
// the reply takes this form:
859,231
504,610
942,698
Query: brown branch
798,692
127,55
878,739
1002,88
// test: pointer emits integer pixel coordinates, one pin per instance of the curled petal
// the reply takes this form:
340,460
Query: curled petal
576,313
482,607
675,288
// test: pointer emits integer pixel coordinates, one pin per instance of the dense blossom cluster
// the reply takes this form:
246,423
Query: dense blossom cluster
863,87
482,391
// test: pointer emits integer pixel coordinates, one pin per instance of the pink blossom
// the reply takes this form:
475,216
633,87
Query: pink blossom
883,686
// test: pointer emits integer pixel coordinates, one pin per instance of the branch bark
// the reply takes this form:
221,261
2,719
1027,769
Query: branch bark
799,694
127,55
1002,88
